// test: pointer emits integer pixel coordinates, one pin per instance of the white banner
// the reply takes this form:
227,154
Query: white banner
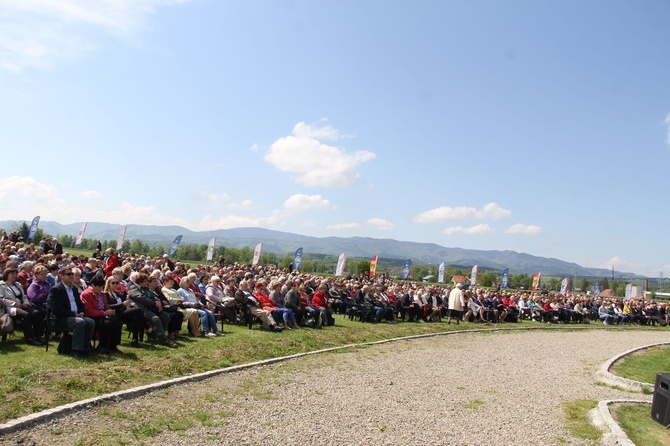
80,236
473,275
121,239
440,273
257,254
210,249
341,263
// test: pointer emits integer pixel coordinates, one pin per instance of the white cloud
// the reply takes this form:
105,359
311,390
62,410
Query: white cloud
302,130
302,202
492,211
445,213
381,224
343,226
244,205
481,229
520,228
36,33
210,222
91,194
667,123
315,163
28,197
213,199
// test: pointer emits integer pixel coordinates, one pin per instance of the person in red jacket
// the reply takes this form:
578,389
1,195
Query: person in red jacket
112,261
320,302
107,325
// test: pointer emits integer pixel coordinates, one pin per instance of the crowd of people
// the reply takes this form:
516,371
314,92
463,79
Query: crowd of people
79,299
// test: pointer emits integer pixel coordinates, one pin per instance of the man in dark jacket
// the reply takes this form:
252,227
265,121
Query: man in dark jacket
67,313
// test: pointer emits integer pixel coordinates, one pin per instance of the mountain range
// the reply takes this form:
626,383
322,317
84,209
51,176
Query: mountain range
286,243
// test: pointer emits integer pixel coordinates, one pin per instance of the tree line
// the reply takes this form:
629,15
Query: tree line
325,263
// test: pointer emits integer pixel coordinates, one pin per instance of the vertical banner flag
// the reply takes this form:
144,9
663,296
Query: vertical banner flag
440,273
175,245
33,227
629,291
505,278
210,249
564,286
121,239
536,281
405,270
373,266
257,254
341,263
80,236
298,258
596,289
473,275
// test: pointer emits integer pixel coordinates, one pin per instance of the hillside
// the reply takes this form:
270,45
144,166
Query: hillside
286,243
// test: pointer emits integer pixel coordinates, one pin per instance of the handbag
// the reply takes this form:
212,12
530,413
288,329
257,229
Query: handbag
6,324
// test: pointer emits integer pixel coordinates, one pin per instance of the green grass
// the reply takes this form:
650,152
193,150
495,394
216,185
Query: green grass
577,420
32,380
636,421
644,365
474,404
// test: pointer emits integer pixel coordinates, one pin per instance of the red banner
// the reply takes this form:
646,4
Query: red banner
536,281
373,266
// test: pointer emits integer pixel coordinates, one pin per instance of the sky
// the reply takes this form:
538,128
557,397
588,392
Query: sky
535,126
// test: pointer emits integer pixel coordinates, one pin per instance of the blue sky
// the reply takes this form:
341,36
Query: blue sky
536,126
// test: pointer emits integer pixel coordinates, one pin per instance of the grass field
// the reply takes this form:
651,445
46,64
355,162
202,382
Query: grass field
636,421
33,380
644,365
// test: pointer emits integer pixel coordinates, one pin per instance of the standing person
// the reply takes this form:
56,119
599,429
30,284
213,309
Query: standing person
112,261
456,304
57,247
67,313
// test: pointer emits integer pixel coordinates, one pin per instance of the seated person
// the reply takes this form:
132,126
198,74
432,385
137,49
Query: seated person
278,313
176,317
207,318
67,313
152,309
107,324
126,311
247,302
18,306
320,302
216,297
190,314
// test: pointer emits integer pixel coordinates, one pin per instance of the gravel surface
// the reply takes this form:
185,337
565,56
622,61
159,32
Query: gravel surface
465,389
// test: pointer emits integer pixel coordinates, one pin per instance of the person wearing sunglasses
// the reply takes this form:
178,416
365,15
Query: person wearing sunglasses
67,313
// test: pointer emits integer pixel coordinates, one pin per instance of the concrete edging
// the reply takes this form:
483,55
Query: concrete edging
602,418
604,375
66,409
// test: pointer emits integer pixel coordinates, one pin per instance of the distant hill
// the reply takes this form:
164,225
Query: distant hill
286,243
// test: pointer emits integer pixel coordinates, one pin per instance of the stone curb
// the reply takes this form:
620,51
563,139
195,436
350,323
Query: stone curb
602,418
66,409
604,375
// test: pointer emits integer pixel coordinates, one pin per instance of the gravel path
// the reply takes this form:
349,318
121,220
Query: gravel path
466,389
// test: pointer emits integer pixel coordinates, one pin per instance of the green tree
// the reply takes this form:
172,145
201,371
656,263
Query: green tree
487,279
362,267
